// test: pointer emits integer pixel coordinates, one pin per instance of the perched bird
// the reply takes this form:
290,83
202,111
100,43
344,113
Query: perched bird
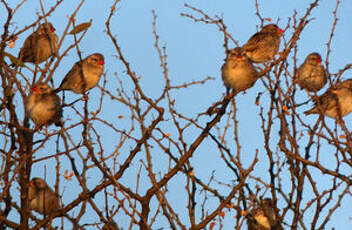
40,45
84,75
263,46
41,197
263,217
238,72
311,74
43,106
336,102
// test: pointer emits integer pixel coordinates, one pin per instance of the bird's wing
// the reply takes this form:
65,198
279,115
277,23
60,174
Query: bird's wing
69,79
27,50
252,43
327,101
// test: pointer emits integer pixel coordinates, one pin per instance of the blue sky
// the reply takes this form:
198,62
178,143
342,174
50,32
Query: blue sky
195,51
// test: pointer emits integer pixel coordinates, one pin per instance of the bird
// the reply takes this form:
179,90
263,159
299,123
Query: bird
84,75
311,74
263,217
41,197
336,102
238,71
43,106
263,45
40,45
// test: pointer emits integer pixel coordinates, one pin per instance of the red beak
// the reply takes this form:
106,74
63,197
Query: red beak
35,89
318,60
101,62
279,31
52,29
31,184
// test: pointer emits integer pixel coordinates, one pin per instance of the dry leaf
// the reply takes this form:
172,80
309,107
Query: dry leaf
66,176
81,27
258,98
12,41
284,108
11,44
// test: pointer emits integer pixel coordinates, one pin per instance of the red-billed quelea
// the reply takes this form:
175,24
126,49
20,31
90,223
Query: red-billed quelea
238,72
336,102
40,45
42,198
263,217
263,46
84,75
43,106
311,74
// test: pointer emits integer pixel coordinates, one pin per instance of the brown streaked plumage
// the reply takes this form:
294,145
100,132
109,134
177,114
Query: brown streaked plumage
91,67
263,46
43,105
263,217
40,45
335,102
238,72
42,198
311,74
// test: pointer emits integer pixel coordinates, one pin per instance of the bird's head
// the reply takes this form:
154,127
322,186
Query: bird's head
46,28
272,28
96,59
314,59
41,88
37,183
237,54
